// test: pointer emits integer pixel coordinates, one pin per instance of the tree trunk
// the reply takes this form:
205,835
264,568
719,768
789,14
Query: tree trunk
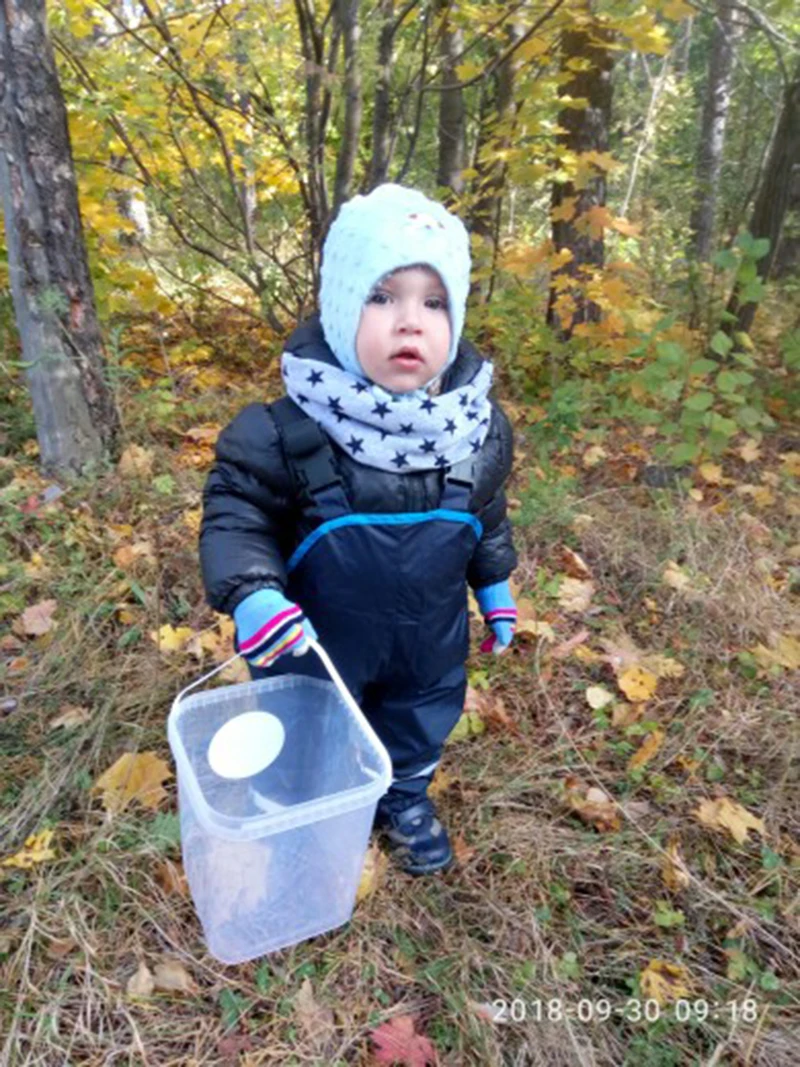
76,419
586,130
772,199
381,117
452,115
346,14
712,128
494,136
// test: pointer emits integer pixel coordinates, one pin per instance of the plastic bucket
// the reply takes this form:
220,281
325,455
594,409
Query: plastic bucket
278,781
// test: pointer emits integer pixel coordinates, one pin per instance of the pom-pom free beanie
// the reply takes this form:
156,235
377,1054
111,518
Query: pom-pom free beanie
376,234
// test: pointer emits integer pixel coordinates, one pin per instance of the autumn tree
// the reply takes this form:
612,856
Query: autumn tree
74,410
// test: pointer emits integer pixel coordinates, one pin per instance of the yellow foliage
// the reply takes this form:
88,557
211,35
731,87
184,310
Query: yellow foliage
664,982
135,776
726,814
648,748
637,683
37,849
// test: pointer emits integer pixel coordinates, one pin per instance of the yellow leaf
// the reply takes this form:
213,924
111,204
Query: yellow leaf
663,666
35,850
468,725
790,464
136,462
441,782
626,228
140,984
592,456
575,595
597,697
710,472
172,977
750,450
726,814
761,495
536,628
675,577
375,862
565,211
663,981
534,46
625,714
170,638
785,653
135,776
591,804
678,9
648,748
674,872
637,683
587,655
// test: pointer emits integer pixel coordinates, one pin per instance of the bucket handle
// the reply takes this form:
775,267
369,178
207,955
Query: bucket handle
320,651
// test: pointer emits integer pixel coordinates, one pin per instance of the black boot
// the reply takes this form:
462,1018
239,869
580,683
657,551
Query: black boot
417,840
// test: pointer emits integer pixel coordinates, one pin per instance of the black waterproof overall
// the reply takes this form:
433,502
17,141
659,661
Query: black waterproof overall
387,595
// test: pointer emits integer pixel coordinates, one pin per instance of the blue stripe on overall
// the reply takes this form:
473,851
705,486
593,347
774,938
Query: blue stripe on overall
387,595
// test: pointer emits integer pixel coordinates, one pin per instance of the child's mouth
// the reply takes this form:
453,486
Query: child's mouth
407,358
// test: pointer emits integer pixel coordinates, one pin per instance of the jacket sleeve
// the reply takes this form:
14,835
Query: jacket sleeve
249,512
495,556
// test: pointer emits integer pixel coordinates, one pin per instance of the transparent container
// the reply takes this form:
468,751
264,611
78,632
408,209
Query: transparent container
275,857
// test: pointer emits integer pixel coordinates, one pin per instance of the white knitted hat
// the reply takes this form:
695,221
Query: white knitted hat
372,236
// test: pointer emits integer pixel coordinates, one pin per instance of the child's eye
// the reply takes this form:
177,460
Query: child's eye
378,297
436,303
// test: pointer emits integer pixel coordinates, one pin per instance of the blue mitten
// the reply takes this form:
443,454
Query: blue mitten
268,626
500,614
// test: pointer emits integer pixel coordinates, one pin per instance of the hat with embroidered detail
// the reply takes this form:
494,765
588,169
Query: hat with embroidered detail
376,234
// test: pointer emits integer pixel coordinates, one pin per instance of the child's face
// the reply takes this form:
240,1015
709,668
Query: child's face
406,312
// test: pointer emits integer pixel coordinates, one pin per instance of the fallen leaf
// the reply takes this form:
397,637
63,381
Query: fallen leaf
637,683
784,653
470,724
230,1048
710,473
127,556
490,1013
397,1041
750,451
462,851
375,862
591,804
663,982
592,456
140,984
597,697
171,876
315,1019
575,595
37,619
675,577
625,714
588,655
535,629
674,872
60,947
136,462
172,977
171,638
69,717
648,748
761,495
441,782
37,849
726,814
663,666
790,464
135,776
573,565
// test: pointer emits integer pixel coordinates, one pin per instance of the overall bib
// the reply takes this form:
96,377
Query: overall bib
387,595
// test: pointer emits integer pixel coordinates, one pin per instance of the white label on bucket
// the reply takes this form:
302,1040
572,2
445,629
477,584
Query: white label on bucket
246,745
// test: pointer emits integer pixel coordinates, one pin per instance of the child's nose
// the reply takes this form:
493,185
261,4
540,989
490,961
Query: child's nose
409,316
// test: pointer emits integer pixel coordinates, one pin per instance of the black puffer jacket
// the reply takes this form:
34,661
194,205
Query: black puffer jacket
250,513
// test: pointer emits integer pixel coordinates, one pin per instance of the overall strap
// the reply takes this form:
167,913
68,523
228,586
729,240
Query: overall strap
310,459
458,482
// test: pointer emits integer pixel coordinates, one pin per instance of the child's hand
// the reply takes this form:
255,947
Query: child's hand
500,614
269,626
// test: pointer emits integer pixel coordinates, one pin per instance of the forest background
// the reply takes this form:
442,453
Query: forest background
621,785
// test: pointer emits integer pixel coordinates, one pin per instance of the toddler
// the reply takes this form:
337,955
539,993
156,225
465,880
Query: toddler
357,508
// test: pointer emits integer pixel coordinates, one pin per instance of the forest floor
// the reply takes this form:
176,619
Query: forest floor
622,790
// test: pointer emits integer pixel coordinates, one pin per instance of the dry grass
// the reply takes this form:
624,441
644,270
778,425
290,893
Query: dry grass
542,908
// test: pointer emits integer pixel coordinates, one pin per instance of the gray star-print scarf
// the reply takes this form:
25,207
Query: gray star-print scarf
392,431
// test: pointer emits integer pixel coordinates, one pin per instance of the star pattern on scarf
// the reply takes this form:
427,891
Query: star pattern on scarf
315,377
360,387
355,444
335,404
475,446
441,461
428,446
464,400
406,427
427,405
400,459
450,426
381,409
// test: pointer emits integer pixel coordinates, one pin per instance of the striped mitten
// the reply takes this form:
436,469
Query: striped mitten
500,614
268,626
